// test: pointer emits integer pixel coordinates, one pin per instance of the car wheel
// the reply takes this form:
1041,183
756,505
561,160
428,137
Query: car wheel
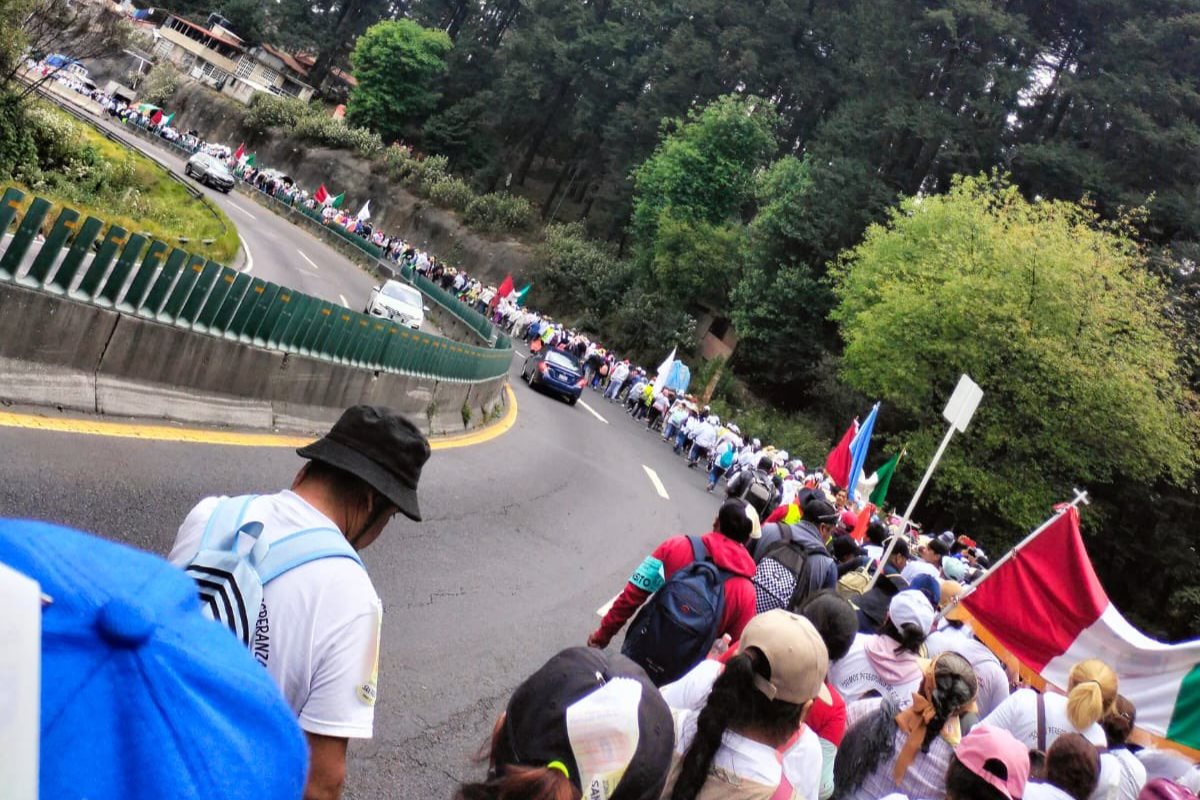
572,401
187,170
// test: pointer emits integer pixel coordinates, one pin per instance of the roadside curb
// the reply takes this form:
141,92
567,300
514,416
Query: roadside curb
152,431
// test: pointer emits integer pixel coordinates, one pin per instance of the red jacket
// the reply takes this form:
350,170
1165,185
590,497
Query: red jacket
675,554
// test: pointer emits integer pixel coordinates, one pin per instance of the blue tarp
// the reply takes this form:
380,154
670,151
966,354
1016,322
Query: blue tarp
679,377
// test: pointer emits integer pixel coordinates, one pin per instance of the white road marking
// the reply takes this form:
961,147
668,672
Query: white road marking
244,211
592,411
658,486
306,258
249,258
342,297
603,610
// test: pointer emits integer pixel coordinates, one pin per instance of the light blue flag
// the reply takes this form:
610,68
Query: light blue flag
858,451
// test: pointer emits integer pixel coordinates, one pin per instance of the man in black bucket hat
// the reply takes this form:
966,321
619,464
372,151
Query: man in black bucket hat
282,571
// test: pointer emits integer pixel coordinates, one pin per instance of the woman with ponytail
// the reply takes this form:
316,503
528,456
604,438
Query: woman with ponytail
888,663
888,749
1091,695
618,746
736,746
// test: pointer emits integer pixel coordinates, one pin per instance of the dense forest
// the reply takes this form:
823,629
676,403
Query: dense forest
781,162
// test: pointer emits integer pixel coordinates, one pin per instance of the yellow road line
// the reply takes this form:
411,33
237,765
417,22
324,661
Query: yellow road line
168,433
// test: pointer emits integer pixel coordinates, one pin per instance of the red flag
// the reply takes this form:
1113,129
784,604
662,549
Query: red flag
156,117
859,534
1038,601
837,464
237,154
506,287
321,195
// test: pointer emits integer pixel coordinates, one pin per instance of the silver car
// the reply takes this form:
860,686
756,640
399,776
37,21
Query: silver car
209,171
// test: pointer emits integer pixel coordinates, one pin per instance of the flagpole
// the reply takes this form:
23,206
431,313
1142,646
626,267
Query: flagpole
912,504
1081,497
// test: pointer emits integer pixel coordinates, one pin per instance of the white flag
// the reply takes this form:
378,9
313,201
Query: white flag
364,213
664,372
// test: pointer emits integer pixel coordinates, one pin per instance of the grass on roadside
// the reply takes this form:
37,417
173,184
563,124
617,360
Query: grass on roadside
101,178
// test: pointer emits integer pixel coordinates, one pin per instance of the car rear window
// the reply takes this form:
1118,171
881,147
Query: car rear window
563,360
399,291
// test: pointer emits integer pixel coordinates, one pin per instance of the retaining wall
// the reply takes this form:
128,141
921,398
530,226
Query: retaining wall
58,352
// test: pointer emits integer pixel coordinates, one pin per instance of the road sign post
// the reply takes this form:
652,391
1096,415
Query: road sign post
958,412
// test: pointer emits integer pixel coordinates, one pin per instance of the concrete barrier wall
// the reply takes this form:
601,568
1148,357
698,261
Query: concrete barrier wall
54,351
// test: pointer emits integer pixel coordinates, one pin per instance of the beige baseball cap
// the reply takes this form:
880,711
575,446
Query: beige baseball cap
796,654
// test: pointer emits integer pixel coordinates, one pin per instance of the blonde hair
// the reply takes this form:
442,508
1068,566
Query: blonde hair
1091,692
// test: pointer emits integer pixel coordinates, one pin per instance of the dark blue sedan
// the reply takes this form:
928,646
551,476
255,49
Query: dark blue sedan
555,371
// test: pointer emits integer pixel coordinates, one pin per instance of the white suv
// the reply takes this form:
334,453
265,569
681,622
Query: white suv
397,301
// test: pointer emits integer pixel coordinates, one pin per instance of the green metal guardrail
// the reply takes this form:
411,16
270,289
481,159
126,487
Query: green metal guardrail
150,279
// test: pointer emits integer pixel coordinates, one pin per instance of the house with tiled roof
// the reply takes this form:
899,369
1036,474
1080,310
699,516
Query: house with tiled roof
216,56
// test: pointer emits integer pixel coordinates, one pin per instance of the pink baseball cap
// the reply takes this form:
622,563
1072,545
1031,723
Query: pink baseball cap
995,755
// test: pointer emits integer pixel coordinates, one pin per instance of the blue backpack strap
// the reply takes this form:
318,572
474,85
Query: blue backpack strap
700,553
228,520
303,547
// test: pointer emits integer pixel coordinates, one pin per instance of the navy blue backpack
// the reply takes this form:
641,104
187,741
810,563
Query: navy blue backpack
677,627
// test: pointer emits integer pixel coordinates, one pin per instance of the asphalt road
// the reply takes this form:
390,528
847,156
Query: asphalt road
524,538
277,250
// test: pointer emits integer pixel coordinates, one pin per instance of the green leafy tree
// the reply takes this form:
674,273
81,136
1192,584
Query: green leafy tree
808,210
1054,315
160,83
396,64
248,18
703,168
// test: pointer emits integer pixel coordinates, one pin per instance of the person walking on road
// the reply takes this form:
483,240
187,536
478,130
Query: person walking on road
725,547
586,724
317,631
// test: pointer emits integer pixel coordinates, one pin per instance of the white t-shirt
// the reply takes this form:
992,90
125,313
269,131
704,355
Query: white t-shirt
1133,773
1018,716
746,758
989,672
1109,787
854,676
1036,790
318,633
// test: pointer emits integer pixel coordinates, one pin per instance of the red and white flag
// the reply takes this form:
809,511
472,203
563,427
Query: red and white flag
1047,607
239,153
321,195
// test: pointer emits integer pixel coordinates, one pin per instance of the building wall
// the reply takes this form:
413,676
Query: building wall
196,49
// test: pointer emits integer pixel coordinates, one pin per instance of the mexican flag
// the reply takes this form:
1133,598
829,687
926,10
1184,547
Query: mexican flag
156,117
1044,604
337,201
167,119
876,486
321,196
237,154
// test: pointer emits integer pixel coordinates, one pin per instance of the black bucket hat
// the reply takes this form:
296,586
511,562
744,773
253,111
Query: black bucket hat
379,446
580,682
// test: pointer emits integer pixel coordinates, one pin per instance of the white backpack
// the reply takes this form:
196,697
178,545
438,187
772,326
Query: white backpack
231,571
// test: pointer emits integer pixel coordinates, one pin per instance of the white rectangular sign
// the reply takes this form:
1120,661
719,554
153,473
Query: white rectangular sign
963,403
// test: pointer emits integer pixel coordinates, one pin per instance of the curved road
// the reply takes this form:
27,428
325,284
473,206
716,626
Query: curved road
277,250
524,538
